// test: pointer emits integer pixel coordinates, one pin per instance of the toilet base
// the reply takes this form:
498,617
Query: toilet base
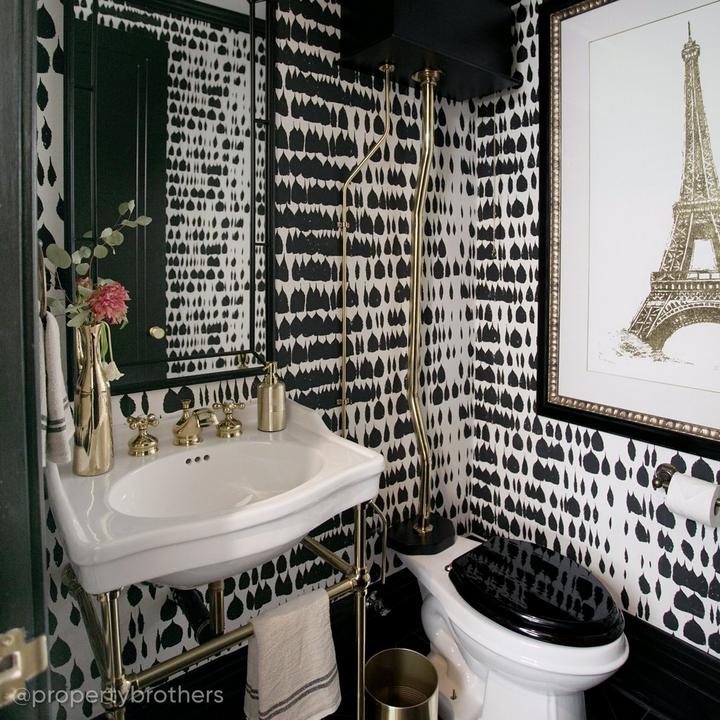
468,695
503,700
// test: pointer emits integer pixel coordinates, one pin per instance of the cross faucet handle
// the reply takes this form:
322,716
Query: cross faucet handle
230,427
143,422
143,444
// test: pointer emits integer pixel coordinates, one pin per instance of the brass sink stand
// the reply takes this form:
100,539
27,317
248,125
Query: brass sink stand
106,641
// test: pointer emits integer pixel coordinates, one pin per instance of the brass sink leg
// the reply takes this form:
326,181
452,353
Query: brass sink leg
217,606
115,685
89,617
363,580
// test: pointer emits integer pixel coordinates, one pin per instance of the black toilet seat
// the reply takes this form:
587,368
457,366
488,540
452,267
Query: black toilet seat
537,592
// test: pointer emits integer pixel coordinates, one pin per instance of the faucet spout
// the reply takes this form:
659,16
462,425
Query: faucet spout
188,429
205,418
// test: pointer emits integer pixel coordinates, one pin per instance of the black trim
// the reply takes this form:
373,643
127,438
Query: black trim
22,568
637,431
223,18
270,131
211,14
668,676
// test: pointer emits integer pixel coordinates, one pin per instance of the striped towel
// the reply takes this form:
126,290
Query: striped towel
292,671
56,418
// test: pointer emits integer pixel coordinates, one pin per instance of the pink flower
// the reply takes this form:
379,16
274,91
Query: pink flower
107,302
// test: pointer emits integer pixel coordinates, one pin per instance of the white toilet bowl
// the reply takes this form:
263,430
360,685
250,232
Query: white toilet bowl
490,672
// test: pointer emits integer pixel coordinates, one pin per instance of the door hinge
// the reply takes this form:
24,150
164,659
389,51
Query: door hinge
19,661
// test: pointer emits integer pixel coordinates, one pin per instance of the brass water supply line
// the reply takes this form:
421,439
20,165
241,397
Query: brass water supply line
343,227
428,80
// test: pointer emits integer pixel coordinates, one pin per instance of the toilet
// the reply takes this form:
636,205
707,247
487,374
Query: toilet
516,630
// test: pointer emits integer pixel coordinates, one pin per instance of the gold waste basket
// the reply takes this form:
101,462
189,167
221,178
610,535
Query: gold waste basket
400,684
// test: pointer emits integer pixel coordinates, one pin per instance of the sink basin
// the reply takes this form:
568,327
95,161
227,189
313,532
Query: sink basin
179,487
188,516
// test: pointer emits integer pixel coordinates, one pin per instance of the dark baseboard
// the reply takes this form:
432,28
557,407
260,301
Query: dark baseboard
663,679
668,676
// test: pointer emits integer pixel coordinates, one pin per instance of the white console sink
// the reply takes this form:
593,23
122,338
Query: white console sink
188,516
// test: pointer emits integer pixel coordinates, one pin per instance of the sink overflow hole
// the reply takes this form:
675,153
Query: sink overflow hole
197,459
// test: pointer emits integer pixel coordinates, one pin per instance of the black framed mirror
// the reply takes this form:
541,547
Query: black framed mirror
169,119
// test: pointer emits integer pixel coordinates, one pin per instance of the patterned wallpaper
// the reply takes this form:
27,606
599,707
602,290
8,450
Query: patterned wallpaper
580,491
326,119
498,465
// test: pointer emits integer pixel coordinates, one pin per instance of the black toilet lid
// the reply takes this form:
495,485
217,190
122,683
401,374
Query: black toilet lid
537,592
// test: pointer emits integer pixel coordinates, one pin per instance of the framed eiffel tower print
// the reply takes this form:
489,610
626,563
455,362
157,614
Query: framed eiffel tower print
629,313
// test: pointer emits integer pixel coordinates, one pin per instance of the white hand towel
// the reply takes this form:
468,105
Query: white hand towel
55,414
292,671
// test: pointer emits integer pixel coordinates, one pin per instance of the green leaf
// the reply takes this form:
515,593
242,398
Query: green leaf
123,208
79,319
82,268
143,220
83,291
57,307
76,258
100,252
58,256
129,223
106,233
85,251
125,322
131,205
87,235
115,238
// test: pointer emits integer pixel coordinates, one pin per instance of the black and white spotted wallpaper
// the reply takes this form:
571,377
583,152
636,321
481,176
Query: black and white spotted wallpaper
498,466
577,490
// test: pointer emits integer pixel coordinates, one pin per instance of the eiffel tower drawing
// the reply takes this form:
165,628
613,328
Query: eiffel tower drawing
686,288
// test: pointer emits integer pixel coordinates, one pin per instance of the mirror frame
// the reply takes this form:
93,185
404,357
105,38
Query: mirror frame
221,17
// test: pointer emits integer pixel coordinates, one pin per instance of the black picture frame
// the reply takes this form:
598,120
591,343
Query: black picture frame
219,17
606,421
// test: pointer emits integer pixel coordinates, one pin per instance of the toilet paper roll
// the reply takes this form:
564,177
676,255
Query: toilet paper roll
694,499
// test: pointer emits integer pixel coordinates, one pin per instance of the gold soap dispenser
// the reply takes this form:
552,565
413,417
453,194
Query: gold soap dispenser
271,401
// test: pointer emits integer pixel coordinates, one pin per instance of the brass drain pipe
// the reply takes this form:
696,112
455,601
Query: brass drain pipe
343,227
428,80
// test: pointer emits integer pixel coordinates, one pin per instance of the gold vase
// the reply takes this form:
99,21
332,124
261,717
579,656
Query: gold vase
93,453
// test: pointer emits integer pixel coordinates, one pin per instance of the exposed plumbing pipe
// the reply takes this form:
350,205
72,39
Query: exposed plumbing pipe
428,80
343,227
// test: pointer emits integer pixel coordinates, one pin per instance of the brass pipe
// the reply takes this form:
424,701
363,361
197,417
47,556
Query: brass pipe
428,80
343,227
195,655
115,685
384,523
328,556
216,601
89,617
362,579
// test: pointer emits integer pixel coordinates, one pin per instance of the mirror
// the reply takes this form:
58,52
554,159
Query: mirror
167,109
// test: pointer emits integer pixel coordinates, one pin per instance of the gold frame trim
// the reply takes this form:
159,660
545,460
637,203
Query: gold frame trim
553,339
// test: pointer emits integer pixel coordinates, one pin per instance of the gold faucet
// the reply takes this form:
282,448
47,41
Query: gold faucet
188,429
230,427
144,444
